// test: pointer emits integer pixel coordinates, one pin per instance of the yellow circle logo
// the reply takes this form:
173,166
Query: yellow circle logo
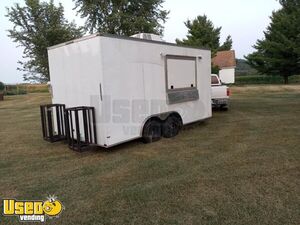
52,208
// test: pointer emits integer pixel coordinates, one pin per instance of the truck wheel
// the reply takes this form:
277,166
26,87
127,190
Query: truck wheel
152,131
171,126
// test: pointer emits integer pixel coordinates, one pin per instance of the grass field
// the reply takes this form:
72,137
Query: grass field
240,167
22,89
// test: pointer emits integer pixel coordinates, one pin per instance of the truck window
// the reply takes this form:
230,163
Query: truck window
214,80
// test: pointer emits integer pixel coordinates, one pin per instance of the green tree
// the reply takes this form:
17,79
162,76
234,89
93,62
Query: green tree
122,17
279,52
243,68
36,26
203,33
2,87
227,45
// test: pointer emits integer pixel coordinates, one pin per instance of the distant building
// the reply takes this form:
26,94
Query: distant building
226,62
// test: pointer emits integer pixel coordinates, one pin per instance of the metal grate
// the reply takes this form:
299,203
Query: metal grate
53,123
80,127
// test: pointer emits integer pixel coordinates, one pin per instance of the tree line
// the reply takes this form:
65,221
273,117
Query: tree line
40,24
278,53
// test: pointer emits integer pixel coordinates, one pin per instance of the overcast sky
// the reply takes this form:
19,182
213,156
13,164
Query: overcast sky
244,20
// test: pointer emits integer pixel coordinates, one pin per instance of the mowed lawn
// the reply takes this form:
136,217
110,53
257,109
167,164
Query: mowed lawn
240,167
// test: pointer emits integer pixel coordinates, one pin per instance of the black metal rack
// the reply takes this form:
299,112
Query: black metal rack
53,122
79,119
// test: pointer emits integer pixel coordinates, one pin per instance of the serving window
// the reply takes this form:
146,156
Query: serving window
181,79
181,72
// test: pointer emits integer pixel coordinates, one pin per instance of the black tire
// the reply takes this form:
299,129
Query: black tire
152,131
171,126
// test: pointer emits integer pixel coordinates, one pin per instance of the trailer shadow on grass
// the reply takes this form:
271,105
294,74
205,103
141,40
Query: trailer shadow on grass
117,148
220,109
139,141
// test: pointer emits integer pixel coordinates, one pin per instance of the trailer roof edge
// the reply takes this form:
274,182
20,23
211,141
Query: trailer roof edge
124,38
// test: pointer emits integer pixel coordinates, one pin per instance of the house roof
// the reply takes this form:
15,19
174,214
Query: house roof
224,59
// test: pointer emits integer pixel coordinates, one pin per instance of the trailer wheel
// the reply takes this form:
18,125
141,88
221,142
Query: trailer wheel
171,126
152,131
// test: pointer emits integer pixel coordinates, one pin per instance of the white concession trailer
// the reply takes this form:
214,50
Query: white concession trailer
136,88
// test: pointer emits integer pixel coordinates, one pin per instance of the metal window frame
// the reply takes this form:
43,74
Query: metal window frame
180,57
181,95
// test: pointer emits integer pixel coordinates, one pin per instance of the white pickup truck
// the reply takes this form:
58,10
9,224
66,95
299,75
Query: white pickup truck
220,93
